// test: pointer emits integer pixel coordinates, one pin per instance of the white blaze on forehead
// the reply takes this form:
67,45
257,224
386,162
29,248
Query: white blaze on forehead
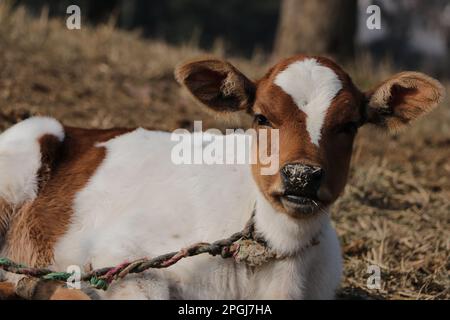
312,87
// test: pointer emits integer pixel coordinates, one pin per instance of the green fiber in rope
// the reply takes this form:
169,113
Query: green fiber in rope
60,276
5,262
99,283
9,263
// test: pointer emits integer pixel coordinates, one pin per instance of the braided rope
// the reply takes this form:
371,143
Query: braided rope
103,277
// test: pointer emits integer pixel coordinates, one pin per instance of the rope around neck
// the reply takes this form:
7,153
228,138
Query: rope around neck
244,246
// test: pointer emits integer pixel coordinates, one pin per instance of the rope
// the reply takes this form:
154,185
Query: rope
244,246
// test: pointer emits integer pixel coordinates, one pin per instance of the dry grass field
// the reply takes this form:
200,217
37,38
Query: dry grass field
395,211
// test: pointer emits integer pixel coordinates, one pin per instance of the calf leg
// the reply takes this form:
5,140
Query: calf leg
36,289
138,287
7,291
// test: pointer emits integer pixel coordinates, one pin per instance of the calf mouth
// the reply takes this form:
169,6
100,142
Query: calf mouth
299,205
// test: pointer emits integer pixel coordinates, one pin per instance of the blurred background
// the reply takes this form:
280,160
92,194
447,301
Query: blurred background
414,33
117,70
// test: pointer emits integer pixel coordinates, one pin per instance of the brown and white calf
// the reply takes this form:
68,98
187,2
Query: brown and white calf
72,196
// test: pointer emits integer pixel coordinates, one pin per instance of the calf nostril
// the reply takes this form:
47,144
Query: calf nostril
317,173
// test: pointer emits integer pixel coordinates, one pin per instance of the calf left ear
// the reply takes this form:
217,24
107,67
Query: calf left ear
401,99
217,84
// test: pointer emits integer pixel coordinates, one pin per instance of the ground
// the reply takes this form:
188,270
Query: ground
394,212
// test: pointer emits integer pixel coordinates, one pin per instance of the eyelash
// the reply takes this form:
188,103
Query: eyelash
262,120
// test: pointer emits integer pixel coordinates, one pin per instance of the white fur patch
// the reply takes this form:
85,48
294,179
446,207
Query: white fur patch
20,157
312,87
283,233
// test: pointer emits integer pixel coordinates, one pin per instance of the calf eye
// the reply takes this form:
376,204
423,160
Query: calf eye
262,120
349,128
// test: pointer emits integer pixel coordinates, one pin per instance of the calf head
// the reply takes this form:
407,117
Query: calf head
317,110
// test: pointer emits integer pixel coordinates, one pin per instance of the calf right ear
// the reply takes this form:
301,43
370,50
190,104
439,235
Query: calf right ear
217,84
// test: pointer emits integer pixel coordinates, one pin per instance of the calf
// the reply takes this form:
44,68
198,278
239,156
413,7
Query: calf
72,196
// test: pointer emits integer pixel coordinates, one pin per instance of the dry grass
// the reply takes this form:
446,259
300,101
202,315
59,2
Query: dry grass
394,212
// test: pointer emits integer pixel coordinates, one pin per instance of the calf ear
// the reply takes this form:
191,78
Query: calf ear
217,84
402,98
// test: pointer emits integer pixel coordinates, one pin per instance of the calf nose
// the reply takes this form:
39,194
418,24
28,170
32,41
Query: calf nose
302,180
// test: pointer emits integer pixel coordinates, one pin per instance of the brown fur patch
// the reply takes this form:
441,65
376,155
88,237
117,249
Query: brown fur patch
39,224
6,211
7,291
49,146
